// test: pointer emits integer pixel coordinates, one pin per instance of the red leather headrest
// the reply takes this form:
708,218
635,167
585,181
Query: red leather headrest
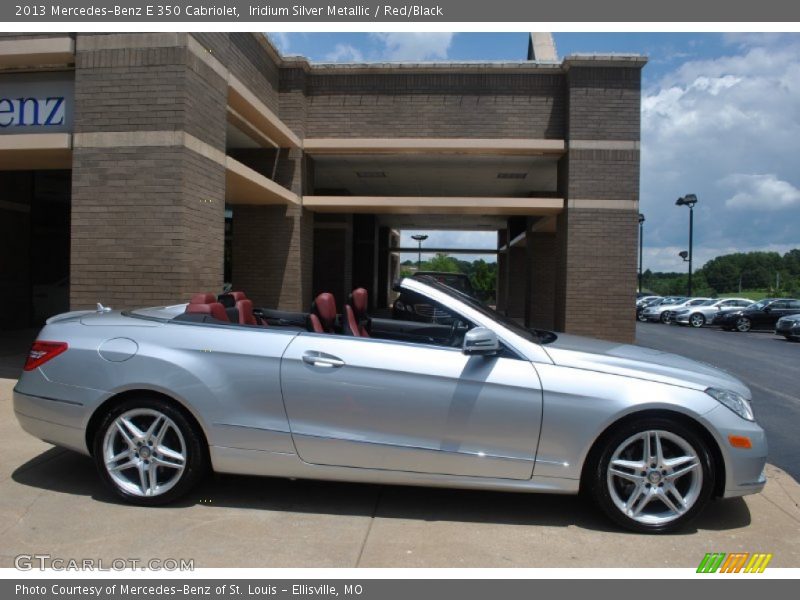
246,316
215,309
325,307
238,296
203,298
359,299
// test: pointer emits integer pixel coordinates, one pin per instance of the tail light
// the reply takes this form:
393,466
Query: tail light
41,352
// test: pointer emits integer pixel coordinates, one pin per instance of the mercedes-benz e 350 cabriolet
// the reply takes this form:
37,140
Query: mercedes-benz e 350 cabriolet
160,396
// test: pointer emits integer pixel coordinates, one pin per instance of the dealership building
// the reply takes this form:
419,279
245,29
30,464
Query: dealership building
138,168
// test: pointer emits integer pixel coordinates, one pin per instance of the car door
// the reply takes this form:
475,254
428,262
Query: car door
772,312
385,404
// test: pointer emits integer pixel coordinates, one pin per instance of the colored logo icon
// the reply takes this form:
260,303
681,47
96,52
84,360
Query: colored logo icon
736,562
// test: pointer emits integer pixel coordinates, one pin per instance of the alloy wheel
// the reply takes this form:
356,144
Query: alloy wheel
743,324
697,320
144,452
654,477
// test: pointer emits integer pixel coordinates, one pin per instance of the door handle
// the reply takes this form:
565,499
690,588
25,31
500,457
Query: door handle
318,359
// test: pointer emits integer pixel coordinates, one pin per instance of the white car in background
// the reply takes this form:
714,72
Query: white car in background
664,312
700,314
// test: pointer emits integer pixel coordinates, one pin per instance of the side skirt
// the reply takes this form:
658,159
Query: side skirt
273,464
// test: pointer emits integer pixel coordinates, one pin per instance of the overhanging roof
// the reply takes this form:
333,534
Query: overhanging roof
434,205
432,146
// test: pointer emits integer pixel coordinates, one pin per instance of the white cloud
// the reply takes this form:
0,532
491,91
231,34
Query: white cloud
763,192
280,39
344,53
414,46
727,130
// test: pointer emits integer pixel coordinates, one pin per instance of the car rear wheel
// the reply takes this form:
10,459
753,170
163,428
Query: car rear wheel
697,320
743,324
148,452
653,475
665,317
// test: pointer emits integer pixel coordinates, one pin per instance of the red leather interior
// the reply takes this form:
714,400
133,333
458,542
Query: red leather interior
359,299
203,298
238,296
215,309
324,309
316,326
246,316
356,312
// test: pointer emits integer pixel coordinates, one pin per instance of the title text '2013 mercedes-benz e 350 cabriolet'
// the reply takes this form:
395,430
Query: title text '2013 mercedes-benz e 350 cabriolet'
159,396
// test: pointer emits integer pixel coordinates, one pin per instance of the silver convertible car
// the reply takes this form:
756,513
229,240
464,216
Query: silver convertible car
159,396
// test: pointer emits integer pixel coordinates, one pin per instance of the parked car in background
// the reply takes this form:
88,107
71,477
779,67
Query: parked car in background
701,314
666,300
664,312
409,307
646,301
760,315
789,327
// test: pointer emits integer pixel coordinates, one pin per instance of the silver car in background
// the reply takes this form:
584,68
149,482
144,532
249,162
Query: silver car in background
700,314
663,312
158,401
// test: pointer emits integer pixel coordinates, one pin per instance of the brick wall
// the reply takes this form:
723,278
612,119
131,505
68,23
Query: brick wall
147,221
246,58
603,174
604,103
147,226
480,105
599,267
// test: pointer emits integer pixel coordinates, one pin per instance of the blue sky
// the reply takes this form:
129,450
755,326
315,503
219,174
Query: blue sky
720,118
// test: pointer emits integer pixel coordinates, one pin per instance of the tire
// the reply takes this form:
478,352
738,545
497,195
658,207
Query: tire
641,317
665,317
697,320
612,492
743,325
171,451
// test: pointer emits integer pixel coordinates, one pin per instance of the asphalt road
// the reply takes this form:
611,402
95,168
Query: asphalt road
768,364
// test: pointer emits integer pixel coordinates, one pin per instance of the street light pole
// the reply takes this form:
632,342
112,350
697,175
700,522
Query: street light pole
689,200
419,239
641,243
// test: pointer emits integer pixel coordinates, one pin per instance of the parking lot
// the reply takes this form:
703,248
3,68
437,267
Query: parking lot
51,501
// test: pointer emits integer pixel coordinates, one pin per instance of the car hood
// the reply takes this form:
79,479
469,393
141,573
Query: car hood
639,362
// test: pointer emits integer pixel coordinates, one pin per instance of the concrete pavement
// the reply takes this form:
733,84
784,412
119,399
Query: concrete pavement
52,501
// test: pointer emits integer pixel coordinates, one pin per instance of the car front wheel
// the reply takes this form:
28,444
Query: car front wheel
697,320
148,452
665,317
653,475
744,324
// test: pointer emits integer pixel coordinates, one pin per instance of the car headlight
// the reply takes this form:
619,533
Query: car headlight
736,402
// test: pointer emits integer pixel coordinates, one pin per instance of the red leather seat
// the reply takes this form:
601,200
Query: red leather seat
238,296
203,298
246,317
323,314
355,310
215,309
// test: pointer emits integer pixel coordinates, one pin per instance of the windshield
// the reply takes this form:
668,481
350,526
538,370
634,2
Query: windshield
533,335
707,302
759,305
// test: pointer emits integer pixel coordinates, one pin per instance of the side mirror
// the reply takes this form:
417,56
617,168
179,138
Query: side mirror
480,341
767,309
